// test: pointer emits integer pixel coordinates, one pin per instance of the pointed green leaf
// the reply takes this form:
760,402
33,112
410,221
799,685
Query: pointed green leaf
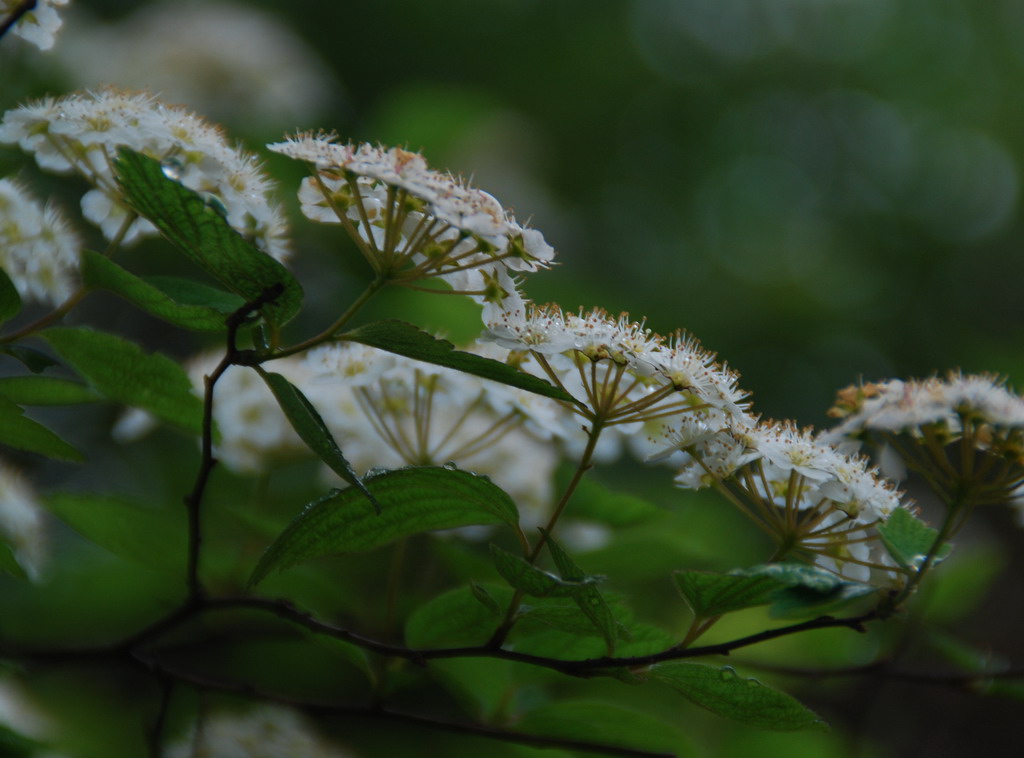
189,305
412,342
32,359
137,532
202,234
534,581
485,598
455,618
412,500
908,539
709,593
9,565
121,372
15,745
589,599
310,427
23,433
45,390
568,618
10,300
593,500
726,693
605,724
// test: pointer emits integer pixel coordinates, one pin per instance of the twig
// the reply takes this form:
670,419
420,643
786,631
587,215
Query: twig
360,712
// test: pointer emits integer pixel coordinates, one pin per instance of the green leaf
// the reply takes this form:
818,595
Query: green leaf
25,434
412,500
709,593
134,531
455,618
189,305
10,300
593,500
793,589
203,235
45,390
32,359
405,339
9,564
908,539
589,599
310,427
14,745
726,693
484,597
606,725
534,581
121,372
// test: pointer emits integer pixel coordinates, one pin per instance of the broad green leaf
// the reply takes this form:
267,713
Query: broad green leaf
792,589
9,564
121,372
23,433
14,745
593,500
908,539
10,300
32,359
139,533
202,234
709,593
606,725
455,618
534,581
412,500
45,390
189,305
405,339
567,618
589,599
726,693
485,598
310,427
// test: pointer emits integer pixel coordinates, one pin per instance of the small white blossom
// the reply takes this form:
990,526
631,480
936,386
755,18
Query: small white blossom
266,731
82,132
40,25
21,521
38,250
412,222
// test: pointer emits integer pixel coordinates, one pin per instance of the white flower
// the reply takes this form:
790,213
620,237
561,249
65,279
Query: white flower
411,222
40,25
226,59
266,731
21,521
38,251
82,132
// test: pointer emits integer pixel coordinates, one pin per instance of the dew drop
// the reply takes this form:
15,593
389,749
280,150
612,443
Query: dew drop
451,466
728,673
171,169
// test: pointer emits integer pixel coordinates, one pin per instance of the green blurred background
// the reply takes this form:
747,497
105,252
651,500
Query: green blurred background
820,190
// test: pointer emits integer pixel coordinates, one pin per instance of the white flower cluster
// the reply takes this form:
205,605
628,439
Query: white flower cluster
807,495
82,132
389,411
21,521
266,731
412,222
40,25
228,60
918,406
38,250
964,434
649,389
